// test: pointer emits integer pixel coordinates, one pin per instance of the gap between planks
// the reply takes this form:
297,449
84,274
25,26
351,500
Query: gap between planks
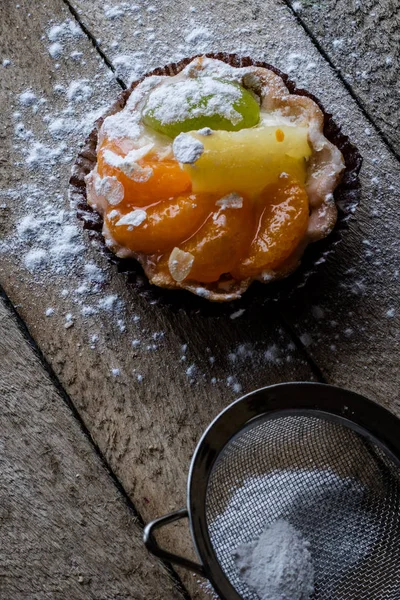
75,413
345,83
94,42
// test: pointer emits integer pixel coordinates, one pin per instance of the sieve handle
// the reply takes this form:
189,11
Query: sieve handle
154,548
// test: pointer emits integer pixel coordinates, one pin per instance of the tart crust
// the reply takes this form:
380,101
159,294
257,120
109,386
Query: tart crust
330,205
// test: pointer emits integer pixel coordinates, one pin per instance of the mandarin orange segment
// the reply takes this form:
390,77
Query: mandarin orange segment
156,179
221,242
283,220
161,226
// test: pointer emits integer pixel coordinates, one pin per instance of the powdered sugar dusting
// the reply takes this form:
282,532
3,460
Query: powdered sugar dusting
109,188
261,501
181,100
187,149
47,242
129,164
133,219
64,31
278,564
230,201
27,98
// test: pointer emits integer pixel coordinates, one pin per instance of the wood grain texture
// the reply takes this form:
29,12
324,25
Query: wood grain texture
146,373
362,40
348,316
65,530
146,404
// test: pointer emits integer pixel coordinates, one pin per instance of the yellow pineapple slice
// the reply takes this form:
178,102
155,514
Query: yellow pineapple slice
248,160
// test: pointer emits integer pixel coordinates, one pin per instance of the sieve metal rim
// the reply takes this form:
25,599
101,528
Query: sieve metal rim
301,398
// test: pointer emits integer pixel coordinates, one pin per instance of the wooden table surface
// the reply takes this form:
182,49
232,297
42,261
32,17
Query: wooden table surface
105,388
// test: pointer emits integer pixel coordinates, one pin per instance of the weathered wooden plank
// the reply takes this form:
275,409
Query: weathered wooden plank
147,378
348,318
353,328
362,40
65,530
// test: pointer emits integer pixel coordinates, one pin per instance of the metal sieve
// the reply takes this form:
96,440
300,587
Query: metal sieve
325,459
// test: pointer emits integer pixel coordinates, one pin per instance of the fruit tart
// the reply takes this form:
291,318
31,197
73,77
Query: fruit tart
213,175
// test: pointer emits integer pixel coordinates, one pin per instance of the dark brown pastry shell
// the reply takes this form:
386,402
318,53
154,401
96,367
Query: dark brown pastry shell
347,195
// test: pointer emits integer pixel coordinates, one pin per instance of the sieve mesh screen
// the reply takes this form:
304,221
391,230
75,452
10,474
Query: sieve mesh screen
339,489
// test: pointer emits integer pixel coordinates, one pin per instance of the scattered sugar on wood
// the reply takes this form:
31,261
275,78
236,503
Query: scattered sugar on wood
66,127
